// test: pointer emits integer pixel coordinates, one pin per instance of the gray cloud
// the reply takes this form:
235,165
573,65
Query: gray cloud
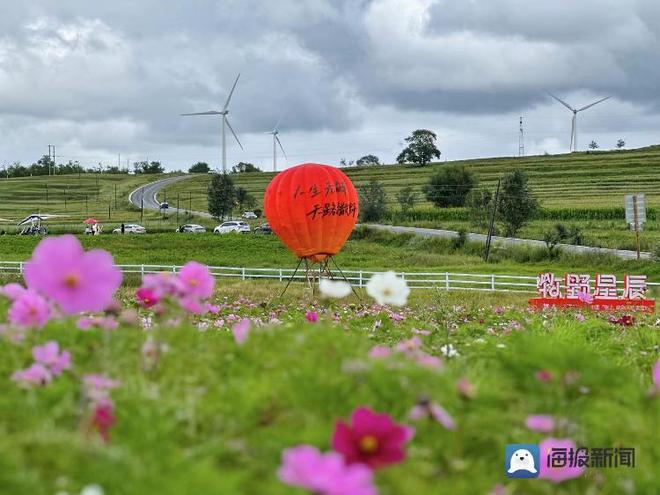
105,77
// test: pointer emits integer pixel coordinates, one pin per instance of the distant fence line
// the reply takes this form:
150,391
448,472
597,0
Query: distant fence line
358,278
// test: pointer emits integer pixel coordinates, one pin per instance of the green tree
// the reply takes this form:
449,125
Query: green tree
516,205
244,168
421,148
593,145
406,198
480,204
620,144
449,187
244,199
199,168
145,167
373,203
222,196
367,160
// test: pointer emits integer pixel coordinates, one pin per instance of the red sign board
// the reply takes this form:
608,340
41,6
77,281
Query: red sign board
576,292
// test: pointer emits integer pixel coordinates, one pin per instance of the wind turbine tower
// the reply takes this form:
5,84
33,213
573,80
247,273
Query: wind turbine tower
521,140
573,146
276,142
225,123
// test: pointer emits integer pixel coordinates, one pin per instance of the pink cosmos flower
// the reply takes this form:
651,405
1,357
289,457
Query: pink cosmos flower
466,388
97,387
409,345
12,291
371,438
104,322
585,297
161,284
312,316
427,409
49,355
542,423
580,317
192,305
195,280
429,361
379,351
557,474
29,310
76,280
35,375
241,330
324,474
147,297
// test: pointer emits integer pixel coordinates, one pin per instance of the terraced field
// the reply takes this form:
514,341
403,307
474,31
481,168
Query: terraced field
578,180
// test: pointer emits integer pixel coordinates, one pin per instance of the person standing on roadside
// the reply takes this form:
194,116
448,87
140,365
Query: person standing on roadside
123,228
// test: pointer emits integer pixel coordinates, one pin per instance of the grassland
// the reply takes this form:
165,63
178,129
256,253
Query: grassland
585,189
367,250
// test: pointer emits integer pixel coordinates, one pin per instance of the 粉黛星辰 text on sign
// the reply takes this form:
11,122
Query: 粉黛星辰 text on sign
576,291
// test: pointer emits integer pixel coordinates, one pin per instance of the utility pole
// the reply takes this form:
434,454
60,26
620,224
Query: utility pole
115,196
636,219
521,140
492,221
51,152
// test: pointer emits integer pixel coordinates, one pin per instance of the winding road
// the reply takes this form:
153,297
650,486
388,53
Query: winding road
149,191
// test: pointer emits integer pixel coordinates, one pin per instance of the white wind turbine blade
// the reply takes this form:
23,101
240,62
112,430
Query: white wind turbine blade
212,112
595,103
280,143
561,101
224,109
573,136
232,131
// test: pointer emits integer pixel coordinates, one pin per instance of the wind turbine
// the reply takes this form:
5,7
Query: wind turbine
225,123
573,146
276,141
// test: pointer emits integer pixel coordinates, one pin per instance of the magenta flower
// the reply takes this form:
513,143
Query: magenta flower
371,438
241,330
542,423
312,316
103,418
427,409
556,474
324,474
76,280
29,310
195,280
543,375
49,355
35,375
147,297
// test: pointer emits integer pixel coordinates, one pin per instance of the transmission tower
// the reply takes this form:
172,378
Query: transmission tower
521,139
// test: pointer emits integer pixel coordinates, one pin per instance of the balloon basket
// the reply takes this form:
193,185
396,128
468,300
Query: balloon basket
315,270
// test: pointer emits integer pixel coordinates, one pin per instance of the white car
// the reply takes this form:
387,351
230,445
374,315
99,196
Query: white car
191,228
232,226
249,214
131,228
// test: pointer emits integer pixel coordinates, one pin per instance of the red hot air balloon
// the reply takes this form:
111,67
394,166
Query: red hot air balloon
313,209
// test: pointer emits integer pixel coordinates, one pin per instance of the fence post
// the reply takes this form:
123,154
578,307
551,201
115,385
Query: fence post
173,268
446,281
360,279
20,268
142,270
280,274
492,282
243,273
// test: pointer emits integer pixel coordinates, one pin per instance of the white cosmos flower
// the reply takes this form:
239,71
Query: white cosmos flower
92,490
387,288
449,351
334,288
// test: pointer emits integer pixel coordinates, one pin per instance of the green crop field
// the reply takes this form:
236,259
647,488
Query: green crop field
585,189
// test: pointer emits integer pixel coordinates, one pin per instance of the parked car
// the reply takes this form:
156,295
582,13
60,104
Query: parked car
264,228
191,228
131,228
232,226
249,215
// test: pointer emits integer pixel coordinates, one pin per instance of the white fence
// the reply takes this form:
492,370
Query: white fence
358,278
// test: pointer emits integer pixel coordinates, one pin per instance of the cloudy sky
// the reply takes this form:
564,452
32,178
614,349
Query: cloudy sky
346,77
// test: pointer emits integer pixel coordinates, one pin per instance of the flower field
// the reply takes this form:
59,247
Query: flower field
187,385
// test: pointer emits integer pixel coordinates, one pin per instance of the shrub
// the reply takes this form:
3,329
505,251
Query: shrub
480,204
449,187
373,202
516,205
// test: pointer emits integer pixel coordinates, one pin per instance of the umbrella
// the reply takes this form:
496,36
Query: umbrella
90,221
